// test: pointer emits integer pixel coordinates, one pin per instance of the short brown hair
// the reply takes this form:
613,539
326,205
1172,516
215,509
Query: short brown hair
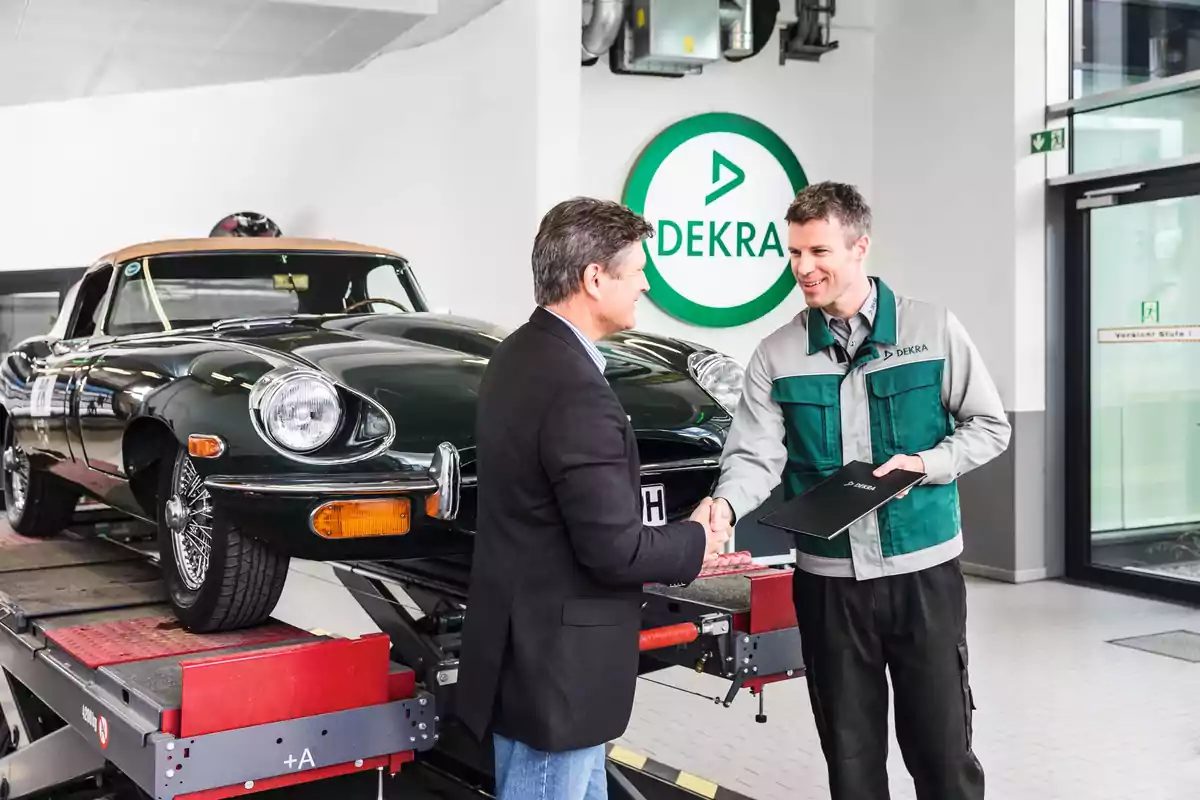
578,232
825,200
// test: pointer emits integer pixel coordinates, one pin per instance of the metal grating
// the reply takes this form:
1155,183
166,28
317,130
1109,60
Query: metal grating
45,555
1183,645
93,587
128,640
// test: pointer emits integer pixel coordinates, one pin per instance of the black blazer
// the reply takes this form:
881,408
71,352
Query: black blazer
550,640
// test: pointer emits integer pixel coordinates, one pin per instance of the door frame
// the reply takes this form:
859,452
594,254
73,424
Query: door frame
1129,189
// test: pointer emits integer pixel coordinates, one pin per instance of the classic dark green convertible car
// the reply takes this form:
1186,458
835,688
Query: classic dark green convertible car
264,398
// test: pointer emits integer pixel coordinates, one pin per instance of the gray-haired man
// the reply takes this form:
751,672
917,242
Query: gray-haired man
550,644
864,374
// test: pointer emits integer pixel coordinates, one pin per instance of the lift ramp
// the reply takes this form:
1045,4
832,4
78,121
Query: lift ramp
116,700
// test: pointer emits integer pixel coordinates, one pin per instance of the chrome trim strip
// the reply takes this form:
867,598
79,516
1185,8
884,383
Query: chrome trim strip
683,465
1123,171
291,485
1126,94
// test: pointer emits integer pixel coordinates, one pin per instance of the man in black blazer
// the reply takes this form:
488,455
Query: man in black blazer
550,650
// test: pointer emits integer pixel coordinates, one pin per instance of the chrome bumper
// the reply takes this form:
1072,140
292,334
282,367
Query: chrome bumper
664,468
443,477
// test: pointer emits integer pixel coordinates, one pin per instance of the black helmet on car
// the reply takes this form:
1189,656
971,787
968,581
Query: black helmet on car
246,223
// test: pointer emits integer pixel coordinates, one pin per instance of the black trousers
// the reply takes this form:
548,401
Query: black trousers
914,626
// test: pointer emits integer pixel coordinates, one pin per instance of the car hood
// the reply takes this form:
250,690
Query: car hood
425,369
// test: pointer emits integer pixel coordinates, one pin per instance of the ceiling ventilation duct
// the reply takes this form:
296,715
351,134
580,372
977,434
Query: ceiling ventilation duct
805,33
737,27
679,37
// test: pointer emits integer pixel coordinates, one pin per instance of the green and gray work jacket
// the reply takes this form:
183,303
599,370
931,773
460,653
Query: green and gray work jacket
915,386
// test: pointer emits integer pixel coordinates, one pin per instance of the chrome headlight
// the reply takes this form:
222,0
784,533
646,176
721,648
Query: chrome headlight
720,375
300,411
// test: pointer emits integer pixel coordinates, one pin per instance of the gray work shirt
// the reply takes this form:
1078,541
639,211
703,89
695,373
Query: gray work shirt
851,333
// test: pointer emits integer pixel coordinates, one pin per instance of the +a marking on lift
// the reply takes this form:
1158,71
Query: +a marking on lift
305,758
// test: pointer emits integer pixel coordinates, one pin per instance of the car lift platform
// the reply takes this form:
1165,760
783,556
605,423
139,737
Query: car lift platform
117,700
101,672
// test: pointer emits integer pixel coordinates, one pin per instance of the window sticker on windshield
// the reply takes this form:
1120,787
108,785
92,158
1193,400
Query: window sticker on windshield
133,268
291,281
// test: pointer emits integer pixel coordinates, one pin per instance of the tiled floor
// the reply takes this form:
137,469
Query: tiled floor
1061,712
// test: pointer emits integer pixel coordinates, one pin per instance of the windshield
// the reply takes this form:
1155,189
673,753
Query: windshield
183,291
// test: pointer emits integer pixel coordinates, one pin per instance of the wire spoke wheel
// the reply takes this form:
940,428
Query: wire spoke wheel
189,518
16,474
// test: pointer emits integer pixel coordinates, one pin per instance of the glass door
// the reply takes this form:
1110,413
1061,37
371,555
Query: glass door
1133,456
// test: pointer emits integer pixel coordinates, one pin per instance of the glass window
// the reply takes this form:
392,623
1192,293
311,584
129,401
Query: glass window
1141,132
184,291
26,314
1145,387
1119,43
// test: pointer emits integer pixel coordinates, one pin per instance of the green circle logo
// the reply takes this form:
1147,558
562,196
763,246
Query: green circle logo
715,187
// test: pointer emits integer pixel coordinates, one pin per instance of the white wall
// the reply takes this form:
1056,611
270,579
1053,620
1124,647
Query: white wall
436,152
944,154
960,201
822,110
961,220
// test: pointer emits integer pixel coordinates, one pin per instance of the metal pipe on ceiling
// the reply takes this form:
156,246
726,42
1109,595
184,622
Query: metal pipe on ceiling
602,29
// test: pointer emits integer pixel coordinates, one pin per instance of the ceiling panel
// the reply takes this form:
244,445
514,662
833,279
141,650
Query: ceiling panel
11,12
239,67
56,21
280,29
148,69
203,24
53,50
366,33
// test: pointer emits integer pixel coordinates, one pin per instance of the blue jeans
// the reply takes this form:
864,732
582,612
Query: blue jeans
523,773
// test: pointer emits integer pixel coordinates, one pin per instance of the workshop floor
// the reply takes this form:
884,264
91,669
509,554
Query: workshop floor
1062,713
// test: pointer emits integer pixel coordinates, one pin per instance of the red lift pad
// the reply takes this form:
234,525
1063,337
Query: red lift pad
225,692
156,637
772,606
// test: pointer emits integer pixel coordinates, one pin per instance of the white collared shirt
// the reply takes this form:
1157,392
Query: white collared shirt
592,351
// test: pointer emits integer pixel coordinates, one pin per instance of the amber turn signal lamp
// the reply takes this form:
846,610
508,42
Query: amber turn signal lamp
351,519
201,445
431,504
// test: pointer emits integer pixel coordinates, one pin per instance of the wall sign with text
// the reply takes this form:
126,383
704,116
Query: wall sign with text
716,187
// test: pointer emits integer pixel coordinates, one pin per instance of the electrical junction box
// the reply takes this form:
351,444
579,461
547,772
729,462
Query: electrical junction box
668,37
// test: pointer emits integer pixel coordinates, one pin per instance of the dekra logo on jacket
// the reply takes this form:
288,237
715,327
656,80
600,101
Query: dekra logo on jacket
906,351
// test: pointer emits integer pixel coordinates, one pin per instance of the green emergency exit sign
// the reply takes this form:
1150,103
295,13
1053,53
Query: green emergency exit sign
1045,141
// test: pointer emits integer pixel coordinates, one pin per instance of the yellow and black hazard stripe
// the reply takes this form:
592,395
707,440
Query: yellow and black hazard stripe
693,784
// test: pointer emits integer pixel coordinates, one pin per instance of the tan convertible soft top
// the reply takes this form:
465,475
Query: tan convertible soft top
237,244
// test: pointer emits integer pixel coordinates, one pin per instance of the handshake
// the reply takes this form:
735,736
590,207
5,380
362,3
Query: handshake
717,518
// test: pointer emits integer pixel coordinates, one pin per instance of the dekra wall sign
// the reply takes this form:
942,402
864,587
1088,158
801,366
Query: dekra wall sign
716,186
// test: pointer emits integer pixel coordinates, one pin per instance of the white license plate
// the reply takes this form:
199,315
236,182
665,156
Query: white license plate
654,505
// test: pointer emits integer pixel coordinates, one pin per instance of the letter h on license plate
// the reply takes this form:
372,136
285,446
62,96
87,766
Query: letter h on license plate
654,505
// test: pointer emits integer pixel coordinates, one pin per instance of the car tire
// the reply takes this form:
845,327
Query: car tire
239,584
37,504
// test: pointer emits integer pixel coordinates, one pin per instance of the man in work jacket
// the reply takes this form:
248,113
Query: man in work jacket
864,374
